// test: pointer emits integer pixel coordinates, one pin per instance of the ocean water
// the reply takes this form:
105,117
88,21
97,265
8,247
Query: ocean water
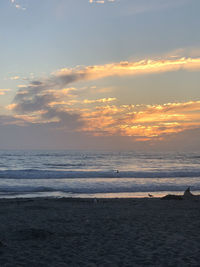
96,174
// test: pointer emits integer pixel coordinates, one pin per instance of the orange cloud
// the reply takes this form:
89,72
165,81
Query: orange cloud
102,100
99,116
4,91
144,122
130,68
14,78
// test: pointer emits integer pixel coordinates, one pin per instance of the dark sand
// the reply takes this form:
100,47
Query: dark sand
115,232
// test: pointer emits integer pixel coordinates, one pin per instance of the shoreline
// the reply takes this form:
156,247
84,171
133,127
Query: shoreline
118,195
107,232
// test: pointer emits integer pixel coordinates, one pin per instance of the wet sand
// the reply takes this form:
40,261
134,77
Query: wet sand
111,232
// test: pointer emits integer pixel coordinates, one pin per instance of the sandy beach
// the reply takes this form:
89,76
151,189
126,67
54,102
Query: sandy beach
111,232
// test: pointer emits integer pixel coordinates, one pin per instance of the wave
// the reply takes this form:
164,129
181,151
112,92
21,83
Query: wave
46,174
65,165
97,190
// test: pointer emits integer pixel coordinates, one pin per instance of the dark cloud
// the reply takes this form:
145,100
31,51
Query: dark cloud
55,82
8,120
38,96
36,103
66,119
36,83
66,79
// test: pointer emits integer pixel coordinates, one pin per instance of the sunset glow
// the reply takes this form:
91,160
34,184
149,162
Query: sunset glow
117,69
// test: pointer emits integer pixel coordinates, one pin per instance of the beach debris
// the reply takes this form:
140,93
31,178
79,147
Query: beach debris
188,194
150,195
172,197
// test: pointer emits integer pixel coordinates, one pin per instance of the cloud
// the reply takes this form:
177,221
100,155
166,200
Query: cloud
142,122
102,100
17,5
145,122
39,102
4,91
11,120
101,1
126,68
14,78
52,101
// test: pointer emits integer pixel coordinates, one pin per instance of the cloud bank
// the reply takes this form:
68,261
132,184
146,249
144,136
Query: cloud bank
144,122
52,101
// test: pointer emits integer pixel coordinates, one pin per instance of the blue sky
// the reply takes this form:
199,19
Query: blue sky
83,61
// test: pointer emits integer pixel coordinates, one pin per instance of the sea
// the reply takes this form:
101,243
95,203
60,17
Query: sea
100,174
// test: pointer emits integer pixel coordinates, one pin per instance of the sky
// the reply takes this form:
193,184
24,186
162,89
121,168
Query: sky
94,74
